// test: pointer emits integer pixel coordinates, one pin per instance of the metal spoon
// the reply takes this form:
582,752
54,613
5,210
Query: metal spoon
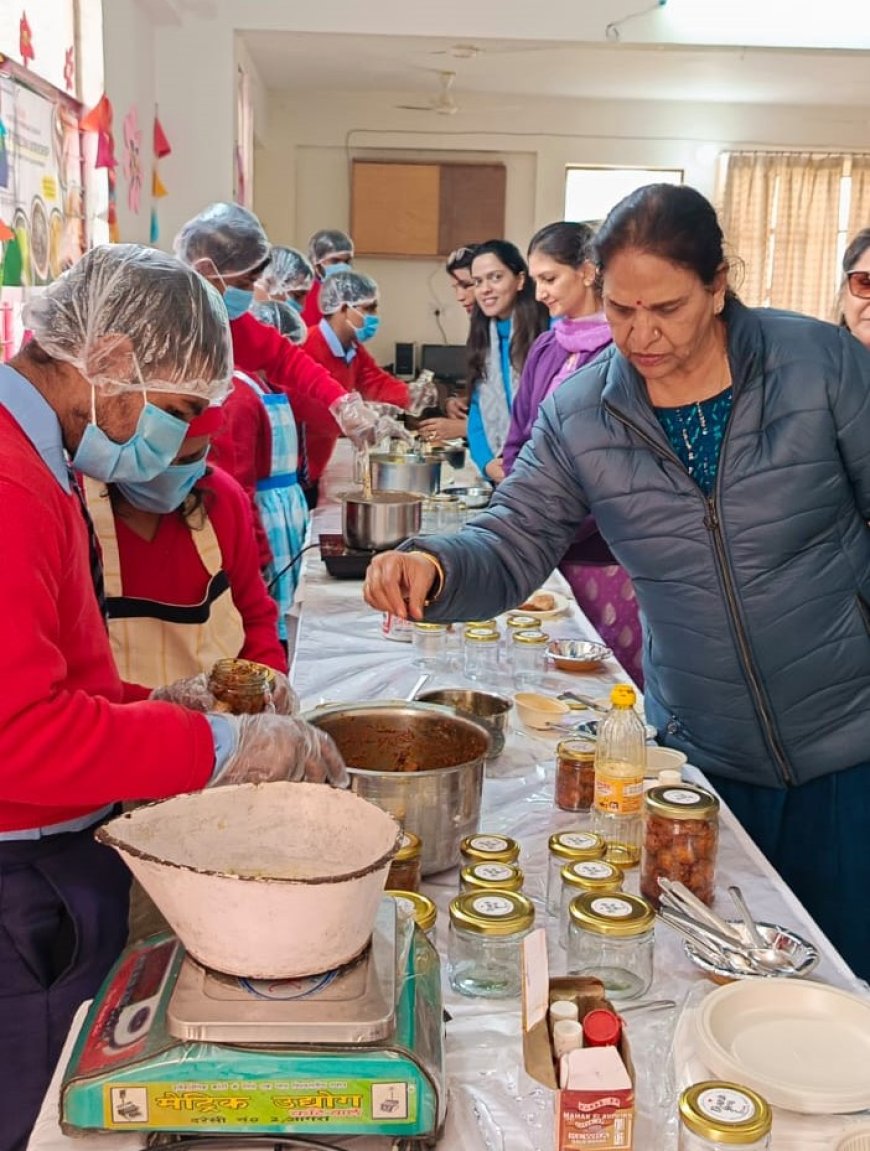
588,704
417,688
760,947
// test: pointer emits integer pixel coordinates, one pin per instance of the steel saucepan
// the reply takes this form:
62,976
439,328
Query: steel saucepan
417,761
491,711
379,521
405,472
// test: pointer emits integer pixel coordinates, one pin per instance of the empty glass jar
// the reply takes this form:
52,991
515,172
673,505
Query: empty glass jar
612,937
420,908
486,934
486,876
528,654
430,645
480,654
566,847
584,875
486,848
715,1115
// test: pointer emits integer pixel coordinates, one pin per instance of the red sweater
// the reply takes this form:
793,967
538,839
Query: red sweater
168,568
242,446
68,745
311,312
361,375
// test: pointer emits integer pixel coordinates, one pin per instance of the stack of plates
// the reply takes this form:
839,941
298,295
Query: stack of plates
801,1045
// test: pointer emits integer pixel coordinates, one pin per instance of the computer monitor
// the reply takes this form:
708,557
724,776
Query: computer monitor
447,361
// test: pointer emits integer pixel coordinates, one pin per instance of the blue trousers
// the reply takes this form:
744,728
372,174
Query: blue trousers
63,923
817,836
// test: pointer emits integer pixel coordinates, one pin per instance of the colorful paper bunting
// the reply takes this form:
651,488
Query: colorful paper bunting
25,40
69,68
133,159
162,148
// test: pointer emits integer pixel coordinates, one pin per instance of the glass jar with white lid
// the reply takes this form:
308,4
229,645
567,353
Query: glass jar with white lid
485,942
611,936
580,876
565,847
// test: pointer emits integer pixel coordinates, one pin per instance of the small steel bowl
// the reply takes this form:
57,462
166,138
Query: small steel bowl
472,495
577,654
803,955
486,708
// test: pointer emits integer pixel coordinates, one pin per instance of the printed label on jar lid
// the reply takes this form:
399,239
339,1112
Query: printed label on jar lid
406,841
726,1105
494,906
680,795
489,843
611,908
494,871
405,906
592,869
581,839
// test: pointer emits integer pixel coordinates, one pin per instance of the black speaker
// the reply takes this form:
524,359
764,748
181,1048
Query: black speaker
404,361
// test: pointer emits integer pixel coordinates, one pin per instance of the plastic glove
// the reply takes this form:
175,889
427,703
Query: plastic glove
271,748
356,419
423,393
194,693
388,428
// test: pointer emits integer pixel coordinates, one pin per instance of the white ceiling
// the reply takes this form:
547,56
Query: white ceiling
290,61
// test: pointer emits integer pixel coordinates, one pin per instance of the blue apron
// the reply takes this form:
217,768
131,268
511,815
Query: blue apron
281,502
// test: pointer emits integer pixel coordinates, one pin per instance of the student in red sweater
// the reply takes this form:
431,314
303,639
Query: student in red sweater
330,251
227,245
349,301
128,346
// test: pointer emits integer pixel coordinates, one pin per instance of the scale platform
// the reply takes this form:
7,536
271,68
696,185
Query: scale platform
169,1046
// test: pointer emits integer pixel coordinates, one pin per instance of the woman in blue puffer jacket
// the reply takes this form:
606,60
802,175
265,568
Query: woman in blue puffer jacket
725,454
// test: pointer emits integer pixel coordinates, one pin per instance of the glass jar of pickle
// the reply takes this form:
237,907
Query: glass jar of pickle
421,909
486,934
528,654
480,653
486,876
566,847
612,938
241,687
680,840
716,1115
575,774
584,875
484,848
405,870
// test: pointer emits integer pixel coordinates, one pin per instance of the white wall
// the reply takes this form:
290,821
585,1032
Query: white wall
302,166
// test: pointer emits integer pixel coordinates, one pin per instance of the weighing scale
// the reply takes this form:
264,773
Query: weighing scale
170,1046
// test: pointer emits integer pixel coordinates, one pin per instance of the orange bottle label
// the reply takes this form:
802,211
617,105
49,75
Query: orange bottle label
618,796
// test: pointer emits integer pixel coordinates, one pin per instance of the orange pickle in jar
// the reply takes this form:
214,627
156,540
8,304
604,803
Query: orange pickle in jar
680,841
406,869
575,774
241,687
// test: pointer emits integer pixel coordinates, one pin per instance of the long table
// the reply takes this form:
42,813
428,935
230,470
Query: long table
340,654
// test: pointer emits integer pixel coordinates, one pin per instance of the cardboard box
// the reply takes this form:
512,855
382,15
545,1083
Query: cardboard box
583,1119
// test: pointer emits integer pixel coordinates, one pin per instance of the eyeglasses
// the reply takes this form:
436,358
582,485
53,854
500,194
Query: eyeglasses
859,284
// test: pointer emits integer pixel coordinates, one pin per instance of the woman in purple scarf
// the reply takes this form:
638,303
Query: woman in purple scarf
560,264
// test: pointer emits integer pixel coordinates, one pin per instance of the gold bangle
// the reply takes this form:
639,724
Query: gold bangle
438,568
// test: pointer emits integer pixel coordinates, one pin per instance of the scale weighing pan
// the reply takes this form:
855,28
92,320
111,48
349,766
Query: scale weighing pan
802,1045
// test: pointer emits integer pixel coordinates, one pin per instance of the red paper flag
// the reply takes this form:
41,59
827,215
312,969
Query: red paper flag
6,232
99,119
105,151
162,147
25,39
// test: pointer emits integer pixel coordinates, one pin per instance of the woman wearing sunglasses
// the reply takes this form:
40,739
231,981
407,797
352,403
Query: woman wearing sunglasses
855,294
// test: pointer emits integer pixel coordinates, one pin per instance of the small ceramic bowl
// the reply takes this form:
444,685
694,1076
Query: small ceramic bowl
577,654
539,711
664,759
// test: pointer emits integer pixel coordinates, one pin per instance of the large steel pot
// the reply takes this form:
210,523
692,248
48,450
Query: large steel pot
379,521
417,761
405,472
491,711
272,881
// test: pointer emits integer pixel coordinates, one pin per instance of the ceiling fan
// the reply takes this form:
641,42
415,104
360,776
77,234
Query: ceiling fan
442,103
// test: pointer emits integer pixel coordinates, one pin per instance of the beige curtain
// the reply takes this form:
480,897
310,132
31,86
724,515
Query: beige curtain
780,214
859,204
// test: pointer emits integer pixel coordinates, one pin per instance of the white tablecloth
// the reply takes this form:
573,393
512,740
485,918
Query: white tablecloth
340,654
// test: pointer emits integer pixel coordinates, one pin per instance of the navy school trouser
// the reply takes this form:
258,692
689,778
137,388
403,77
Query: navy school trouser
817,836
63,923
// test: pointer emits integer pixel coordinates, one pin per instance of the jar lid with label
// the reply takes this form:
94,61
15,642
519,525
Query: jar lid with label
592,875
520,622
577,845
481,635
682,802
492,913
537,638
411,847
618,915
488,624
429,628
725,1113
576,750
484,848
422,907
485,876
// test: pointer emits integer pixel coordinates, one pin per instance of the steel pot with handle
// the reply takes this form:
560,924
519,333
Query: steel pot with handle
379,521
420,762
405,472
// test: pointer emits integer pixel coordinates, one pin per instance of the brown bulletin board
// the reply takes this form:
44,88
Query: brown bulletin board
424,210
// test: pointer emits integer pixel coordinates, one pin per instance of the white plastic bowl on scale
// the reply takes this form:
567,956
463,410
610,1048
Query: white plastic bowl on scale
270,881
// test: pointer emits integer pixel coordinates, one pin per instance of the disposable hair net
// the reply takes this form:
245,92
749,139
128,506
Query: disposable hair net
287,271
346,288
329,242
225,239
134,319
283,317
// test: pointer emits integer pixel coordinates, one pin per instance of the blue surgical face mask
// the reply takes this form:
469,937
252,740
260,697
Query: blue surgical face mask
149,451
165,492
331,269
297,305
237,301
369,326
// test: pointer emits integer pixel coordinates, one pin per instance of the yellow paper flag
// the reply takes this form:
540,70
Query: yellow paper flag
158,188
